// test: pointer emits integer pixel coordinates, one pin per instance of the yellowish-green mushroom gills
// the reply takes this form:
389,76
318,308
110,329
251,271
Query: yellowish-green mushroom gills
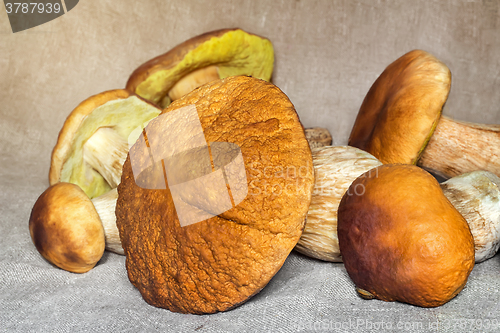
227,52
94,140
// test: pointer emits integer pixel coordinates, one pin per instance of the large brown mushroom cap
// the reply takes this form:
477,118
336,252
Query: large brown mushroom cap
402,108
118,112
219,263
401,239
66,229
231,51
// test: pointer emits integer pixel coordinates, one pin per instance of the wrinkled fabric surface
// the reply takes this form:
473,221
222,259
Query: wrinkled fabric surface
328,53
305,295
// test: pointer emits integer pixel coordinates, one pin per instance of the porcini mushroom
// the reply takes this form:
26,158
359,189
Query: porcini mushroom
219,261
94,140
70,230
66,228
476,195
335,169
400,121
401,239
199,60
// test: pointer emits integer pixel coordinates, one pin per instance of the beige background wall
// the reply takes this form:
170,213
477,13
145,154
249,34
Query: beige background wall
328,53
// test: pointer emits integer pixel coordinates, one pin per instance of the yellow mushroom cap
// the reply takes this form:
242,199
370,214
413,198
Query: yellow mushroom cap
232,51
117,112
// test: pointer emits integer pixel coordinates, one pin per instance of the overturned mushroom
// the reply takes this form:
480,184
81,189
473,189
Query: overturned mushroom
202,59
400,113
476,195
94,140
335,169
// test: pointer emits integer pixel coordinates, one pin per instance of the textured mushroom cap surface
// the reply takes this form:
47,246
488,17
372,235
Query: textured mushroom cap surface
335,168
401,239
402,108
219,263
116,109
66,229
233,51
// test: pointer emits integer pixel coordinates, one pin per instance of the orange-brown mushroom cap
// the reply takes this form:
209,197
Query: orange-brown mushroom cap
66,228
401,239
220,262
402,108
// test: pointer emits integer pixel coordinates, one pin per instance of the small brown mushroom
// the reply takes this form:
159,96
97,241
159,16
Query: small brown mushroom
70,230
66,228
401,114
94,140
202,59
335,169
476,195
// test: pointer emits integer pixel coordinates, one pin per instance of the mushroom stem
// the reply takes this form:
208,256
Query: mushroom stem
106,151
192,81
335,168
105,206
459,147
476,195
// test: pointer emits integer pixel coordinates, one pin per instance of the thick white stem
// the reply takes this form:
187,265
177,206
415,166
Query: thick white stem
476,195
458,147
106,151
105,206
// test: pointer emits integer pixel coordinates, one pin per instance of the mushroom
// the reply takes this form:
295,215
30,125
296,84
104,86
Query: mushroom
335,169
94,140
403,109
219,227
476,195
401,239
202,59
70,230
66,229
